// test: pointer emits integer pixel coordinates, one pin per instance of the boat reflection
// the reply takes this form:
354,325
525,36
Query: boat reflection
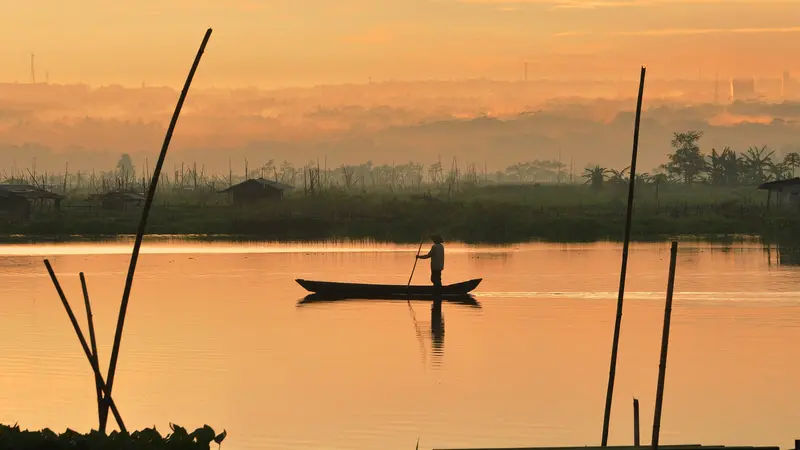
464,300
436,323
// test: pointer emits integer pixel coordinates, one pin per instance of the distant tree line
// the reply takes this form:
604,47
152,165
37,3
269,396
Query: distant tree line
687,164
313,176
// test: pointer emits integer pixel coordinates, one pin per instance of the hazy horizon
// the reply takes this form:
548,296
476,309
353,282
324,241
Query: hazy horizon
314,80
488,124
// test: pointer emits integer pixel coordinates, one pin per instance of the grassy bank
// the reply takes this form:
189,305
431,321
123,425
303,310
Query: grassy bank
498,214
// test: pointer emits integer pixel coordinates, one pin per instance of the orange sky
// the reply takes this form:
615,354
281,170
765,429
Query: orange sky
288,42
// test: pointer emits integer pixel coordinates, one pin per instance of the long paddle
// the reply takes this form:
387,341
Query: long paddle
415,263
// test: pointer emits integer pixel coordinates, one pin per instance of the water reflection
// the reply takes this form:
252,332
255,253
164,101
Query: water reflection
436,321
783,255
437,331
789,256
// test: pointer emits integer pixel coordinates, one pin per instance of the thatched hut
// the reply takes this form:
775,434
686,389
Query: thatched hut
118,200
17,201
255,190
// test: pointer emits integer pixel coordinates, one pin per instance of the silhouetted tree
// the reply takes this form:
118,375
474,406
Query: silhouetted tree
125,170
596,176
792,161
756,163
686,163
730,167
618,176
715,168
778,171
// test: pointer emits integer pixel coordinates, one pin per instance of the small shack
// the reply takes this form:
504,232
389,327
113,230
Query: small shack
118,200
786,191
17,201
255,190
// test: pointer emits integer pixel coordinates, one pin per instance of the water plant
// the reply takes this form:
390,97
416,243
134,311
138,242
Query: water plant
12,437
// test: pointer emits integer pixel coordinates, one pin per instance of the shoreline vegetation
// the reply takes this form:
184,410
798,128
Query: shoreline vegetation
711,195
494,214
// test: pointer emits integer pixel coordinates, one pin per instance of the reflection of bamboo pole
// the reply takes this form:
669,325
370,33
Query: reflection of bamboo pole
662,366
92,361
145,212
623,272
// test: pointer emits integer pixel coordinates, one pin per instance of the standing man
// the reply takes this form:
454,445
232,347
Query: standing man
436,255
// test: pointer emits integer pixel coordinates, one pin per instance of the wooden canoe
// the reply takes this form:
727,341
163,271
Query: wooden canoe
361,290
461,300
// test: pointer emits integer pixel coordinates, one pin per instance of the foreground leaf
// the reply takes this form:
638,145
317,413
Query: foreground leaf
221,437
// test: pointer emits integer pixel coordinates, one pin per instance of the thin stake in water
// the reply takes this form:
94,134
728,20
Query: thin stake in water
618,322
93,341
662,366
109,401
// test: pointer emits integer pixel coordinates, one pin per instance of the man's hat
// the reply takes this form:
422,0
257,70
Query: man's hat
437,238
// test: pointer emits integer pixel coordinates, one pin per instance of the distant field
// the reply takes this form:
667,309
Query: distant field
489,214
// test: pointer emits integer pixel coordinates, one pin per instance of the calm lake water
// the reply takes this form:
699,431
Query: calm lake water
215,335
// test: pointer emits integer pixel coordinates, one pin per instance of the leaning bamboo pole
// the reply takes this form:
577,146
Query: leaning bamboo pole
105,401
143,223
624,270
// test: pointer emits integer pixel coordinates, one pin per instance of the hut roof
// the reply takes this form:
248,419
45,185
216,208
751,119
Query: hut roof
119,195
260,181
132,196
780,184
27,191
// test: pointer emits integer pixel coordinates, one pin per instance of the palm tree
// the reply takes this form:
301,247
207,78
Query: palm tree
596,176
792,161
716,168
644,178
730,166
660,178
779,171
757,162
618,176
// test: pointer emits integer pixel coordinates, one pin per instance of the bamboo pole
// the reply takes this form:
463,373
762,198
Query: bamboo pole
109,401
145,212
623,272
636,439
93,341
662,366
